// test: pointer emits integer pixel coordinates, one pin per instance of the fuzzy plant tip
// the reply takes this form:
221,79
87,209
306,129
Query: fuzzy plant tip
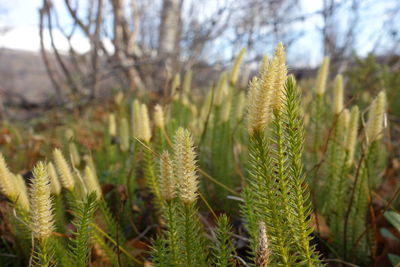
262,255
266,92
167,179
41,203
64,170
185,166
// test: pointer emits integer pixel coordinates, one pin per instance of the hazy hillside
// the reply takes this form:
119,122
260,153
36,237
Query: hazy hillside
23,76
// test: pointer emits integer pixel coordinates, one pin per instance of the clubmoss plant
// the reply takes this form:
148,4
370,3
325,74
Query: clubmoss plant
124,134
376,116
64,170
112,125
159,123
54,182
236,67
352,134
167,178
135,117
74,154
223,250
276,165
22,195
221,91
318,107
262,258
92,183
193,251
6,180
42,218
338,95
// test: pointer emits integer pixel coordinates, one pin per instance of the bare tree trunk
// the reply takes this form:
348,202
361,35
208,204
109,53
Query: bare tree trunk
50,71
170,30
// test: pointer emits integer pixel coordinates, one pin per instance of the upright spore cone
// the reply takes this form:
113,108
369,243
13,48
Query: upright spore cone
144,132
74,154
267,91
338,95
112,125
185,166
345,118
54,182
135,117
241,103
376,115
322,77
63,169
124,133
236,66
22,192
167,180
262,255
226,111
259,103
352,134
41,204
92,182
159,117
6,180
221,89
280,68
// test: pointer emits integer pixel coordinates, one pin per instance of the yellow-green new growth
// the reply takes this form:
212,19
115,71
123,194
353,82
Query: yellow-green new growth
352,134
262,253
167,179
41,204
6,180
322,77
338,95
143,130
64,171
185,166
376,117
92,183
54,182
159,117
236,66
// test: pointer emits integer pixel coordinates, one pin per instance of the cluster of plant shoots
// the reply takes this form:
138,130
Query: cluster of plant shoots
199,155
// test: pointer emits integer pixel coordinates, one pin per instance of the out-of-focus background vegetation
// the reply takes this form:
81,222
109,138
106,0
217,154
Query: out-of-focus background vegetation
67,52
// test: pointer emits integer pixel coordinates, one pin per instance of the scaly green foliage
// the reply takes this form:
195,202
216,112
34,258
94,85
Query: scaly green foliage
223,248
80,249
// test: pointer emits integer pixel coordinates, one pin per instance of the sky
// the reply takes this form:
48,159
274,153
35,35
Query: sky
23,16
